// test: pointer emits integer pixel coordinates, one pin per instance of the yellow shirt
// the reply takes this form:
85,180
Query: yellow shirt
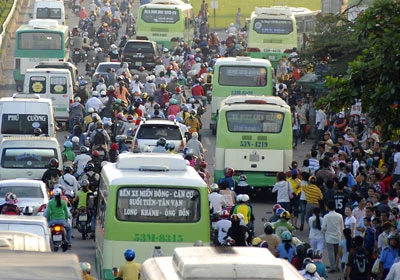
129,271
295,185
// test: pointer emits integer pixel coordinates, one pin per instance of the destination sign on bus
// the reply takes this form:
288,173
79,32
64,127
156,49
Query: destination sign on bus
273,26
160,15
158,205
250,76
254,121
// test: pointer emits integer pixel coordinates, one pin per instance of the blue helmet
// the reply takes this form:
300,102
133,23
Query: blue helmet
83,82
68,144
129,254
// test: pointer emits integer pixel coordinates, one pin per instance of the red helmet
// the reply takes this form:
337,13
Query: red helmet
114,146
95,153
203,164
178,90
229,172
276,207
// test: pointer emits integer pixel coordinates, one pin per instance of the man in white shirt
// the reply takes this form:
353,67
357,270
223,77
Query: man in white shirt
81,160
332,226
320,122
359,211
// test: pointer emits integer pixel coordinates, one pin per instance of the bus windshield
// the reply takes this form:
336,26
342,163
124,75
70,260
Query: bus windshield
160,15
273,26
243,76
40,41
52,13
158,204
254,121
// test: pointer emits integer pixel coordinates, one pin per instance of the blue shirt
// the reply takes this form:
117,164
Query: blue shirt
287,255
388,256
321,268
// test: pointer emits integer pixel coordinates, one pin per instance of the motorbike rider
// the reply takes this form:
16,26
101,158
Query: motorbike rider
173,108
68,155
192,122
10,207
122,147
216,199
76,112
160,148
86,267
129,127
57,213
83,92
113,53
90,174
76,43
82,195
198,92
100,138
69,181
130,270
52,174
242,187
239,232
178,96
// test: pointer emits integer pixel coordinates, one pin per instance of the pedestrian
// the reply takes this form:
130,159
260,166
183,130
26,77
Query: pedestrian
284,189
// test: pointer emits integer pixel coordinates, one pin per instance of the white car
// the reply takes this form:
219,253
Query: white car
29,193
149,131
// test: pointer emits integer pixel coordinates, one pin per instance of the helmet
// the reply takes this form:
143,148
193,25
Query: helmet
191,57
311,268
89,167
83,83
53,162
118,101
318,254
161,142
37,131
276,207
268,228
141,68
99,124
129,255
77,99
306,261
193,112
209,69
120,116
67,144
279,211
163,86
214,187
120,138
301,249
91,110
392,236
165,50
229,172
256,241
156,107
173,101
57,192
130,118
245,198
178,90
75,139
95,153
312,180
310,253
28,210
285,215
113,47
286,236
103,93
171,117
84,149
86,267
95,93
111,88
197,59
170,146
188,152
242,177
68,169
85,183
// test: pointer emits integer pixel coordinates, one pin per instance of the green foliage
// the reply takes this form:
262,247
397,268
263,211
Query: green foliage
373,76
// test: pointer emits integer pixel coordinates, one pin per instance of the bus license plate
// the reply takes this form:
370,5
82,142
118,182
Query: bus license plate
83,218
57,237
272,57
138,63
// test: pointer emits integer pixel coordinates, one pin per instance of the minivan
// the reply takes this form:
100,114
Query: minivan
62,65
22,241
45,9
27,156
140,53
22,113
52,83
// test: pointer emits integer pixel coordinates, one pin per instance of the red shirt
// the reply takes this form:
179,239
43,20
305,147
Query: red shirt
197,90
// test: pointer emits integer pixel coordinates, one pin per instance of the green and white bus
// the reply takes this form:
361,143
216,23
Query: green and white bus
275,31
165,22
39,40
151,203
239,75
254,137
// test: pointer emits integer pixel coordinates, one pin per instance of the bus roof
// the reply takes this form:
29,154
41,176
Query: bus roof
254,99
167,3
45,25
167,168
232,262
273,10
242,60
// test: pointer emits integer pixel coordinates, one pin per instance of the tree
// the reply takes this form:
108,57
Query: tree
374,76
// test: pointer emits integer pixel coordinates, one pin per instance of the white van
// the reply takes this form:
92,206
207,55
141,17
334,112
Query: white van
45,9
22,113
52,83
22,241
27,156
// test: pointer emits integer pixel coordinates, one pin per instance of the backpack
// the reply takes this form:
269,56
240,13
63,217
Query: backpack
117,127
99,138
360,262
11,209
53,181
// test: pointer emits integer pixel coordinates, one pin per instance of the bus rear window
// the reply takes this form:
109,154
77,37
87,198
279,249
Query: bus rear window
244,76
158,204
273,26
254,121
51,13
27,158
160,15
40,41
24,123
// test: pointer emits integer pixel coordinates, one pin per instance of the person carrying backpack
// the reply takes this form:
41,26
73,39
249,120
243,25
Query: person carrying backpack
10,207
358,263
100,137
52,175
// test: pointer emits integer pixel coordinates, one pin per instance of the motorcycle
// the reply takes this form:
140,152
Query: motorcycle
130,30
93,17
77,56
59,237
83,222
209,93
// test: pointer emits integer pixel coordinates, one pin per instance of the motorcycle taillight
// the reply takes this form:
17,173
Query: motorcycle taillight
57,228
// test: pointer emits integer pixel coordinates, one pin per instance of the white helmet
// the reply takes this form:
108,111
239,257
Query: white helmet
214,187
95,93
245,198
75,139
147,149
57,192
113,47
311,268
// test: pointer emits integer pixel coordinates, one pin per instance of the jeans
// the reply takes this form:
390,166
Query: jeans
295,137
303,204
67,227
332,253
303,132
